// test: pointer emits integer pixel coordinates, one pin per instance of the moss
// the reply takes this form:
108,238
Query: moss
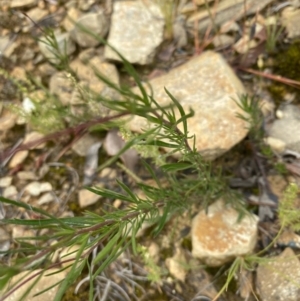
287,64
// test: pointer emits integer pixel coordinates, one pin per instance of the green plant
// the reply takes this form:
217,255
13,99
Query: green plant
115,230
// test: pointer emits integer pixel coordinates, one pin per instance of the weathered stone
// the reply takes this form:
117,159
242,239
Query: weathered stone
10,192
207,85
36,188
65,46
283,129
22,3
61,86
95,23
5,182
218,236
32,137
73,14
136,31
36,14
227,10
87,198
18,158
278,279
7,120
44,282
82,145
290,19
177,265
223,40
86,73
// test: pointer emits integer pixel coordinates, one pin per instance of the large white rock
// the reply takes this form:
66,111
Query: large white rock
279,278
95,23
36,287
218,236
209,86
136,31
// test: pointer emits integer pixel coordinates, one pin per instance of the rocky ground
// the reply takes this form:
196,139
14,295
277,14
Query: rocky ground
207,54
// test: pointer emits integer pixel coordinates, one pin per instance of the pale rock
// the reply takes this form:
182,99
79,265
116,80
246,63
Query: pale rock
209,86
27,105
86,4
61,85
10,192
34,287
68,255
177,265
4,41
222,40
22,3
288,238
7,120
117,203
86,73
278,279
32,137
284,128
154,252
202,2
26,175
46,198
290,19
87,198
218,236
65,46
36,14
244,44
19,231
36,188
229,26
5,182
227,10
136,31
97,23
18,158
73,14
277,145
4,242
82,145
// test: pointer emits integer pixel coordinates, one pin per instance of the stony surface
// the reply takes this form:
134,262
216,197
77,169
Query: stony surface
278,279
82,146
96,23
177,264
283,129
87,198
228,10
65,45
22,3
290,18
18,158
36,188
5,181
218,237
136,31
207,85
43,283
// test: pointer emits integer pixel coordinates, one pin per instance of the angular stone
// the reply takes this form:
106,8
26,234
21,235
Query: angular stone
218,236
209,86
18,158
82,145
65,46
290,19
36,188
44,282
96,23
22,3
136,31
32,137
86,73
61,86
278,279
227,10
284,128
87,198
5,181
